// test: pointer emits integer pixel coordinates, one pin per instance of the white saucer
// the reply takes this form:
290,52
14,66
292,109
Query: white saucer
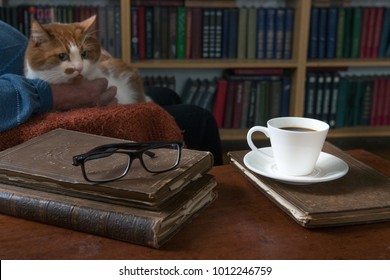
328,167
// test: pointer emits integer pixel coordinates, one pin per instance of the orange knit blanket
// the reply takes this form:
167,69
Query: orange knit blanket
139,122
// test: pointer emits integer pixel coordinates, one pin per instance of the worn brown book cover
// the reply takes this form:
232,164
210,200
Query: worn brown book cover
135,225
45,163
360,196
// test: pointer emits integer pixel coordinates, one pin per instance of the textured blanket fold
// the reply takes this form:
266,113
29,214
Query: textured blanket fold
136,122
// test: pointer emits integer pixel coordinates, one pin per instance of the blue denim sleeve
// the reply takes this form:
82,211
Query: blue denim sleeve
20,98
12,48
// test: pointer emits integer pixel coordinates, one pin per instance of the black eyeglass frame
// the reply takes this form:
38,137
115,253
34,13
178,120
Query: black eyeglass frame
139,147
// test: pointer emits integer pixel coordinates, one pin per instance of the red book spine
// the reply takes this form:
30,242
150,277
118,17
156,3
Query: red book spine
238,104
377,31
371,31
196,33
188,32
365,31
220,102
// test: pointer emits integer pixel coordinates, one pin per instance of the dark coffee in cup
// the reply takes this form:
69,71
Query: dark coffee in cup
299,129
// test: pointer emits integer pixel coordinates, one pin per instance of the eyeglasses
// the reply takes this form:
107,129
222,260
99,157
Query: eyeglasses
111,162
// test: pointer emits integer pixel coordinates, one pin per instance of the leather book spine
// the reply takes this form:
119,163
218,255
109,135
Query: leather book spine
85,216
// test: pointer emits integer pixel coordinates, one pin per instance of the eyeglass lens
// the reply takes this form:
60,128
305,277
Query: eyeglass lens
164,158
106,166
113,165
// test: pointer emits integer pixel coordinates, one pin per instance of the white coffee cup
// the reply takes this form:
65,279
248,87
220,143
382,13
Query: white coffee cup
295,152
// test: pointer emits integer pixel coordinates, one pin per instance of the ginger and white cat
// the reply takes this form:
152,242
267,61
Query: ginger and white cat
61,53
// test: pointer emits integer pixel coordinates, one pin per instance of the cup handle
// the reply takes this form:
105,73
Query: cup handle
262,129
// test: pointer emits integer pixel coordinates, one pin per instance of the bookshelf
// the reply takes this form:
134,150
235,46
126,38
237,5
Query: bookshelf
298,64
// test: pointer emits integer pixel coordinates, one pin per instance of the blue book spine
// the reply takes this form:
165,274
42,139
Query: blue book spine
313,33
270,33
260,36
288,27
322,32
279,32
332,33
233,29
385,34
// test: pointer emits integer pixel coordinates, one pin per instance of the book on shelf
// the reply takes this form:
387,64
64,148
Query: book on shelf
322,32
232,30
181,33
38,182
313,33
361,196
332,33
218,32
256,95
251,34
385,35
107,21
220,101
164,32
346,31
269,50
356,31
340,33
160,81
344,99
195,37
242,33
288,33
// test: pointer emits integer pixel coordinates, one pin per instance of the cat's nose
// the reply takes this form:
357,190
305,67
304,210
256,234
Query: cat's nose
78,69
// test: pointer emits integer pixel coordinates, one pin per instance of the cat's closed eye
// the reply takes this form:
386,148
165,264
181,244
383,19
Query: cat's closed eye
63,56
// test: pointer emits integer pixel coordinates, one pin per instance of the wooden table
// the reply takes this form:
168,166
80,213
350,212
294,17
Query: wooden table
241,224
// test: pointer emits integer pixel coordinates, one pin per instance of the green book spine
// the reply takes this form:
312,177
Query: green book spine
242,33
340,33
342,102
181,33
356,31
347,33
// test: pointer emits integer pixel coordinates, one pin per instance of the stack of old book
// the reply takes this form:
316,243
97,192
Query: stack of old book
38,182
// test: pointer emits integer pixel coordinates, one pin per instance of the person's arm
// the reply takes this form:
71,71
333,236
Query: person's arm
20,98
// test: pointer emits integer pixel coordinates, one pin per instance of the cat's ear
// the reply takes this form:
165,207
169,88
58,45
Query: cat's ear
38,33
88,24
